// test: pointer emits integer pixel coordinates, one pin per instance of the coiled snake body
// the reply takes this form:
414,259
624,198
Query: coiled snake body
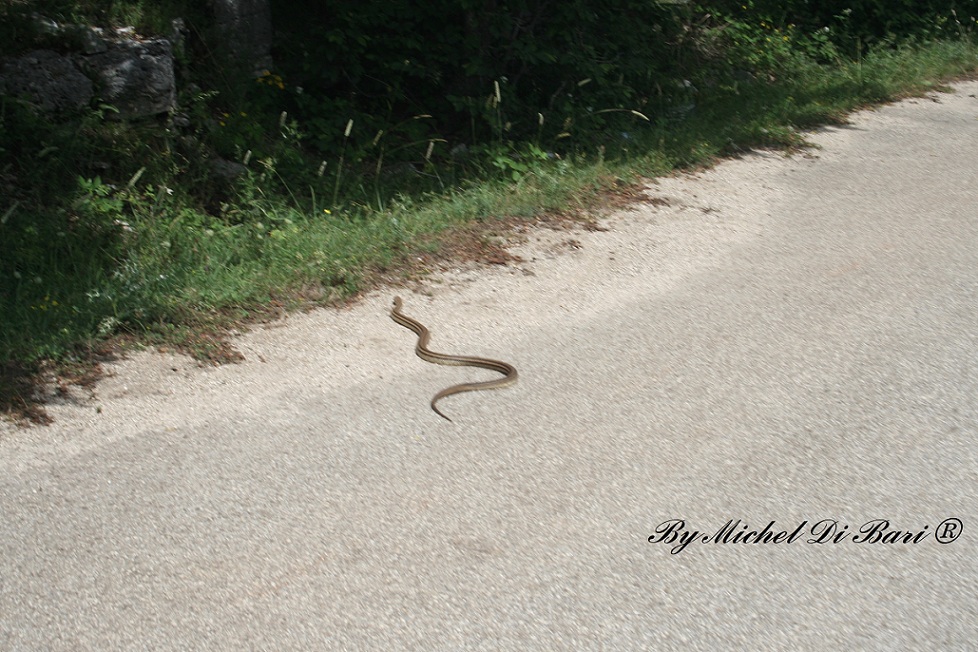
508,371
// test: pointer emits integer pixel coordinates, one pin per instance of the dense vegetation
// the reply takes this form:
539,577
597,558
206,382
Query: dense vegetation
385,123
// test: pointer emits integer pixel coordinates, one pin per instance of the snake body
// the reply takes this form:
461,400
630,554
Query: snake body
508,371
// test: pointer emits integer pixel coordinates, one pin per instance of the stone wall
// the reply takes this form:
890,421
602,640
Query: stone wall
134,75
50,80
88,65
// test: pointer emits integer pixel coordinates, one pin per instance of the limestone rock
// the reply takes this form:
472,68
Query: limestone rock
136,77
48,79
227,171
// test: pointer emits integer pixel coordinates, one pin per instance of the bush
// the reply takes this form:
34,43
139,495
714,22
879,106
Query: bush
854,25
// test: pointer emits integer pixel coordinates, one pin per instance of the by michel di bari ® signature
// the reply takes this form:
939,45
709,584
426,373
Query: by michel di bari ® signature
676,534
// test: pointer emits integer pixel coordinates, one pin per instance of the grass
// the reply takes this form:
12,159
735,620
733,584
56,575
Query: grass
180,277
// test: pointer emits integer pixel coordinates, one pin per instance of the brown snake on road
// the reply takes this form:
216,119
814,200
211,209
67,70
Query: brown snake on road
508,371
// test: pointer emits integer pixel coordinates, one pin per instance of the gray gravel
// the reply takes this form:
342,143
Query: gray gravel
785,339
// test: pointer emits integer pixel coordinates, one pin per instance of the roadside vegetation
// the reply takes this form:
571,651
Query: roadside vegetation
385,131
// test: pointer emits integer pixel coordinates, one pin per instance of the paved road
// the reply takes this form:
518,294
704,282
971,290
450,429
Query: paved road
786,339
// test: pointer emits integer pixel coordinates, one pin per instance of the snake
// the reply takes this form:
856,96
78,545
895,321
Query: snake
508,370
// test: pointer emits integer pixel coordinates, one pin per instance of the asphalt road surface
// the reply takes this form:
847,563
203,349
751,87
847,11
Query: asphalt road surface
747,418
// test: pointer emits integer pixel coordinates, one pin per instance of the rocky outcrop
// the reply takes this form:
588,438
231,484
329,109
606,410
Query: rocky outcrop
133,75
82,65
136,77
50,80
